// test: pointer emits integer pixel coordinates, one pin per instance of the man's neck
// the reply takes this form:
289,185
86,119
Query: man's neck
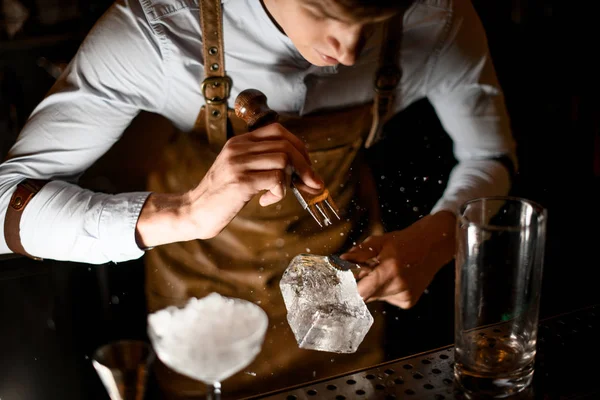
264,6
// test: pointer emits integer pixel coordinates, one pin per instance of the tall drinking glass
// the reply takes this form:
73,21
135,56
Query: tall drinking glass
499,262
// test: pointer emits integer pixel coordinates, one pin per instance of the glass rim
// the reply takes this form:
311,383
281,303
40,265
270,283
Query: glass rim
101,351
262,324
261,327
542,212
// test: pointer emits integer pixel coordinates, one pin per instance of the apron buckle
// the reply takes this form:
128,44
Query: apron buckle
219,84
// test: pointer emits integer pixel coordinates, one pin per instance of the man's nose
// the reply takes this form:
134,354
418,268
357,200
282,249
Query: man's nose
347,41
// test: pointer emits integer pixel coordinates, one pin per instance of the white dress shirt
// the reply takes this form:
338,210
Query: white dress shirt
147,55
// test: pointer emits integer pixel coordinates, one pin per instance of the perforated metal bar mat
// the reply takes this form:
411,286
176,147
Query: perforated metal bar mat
566,368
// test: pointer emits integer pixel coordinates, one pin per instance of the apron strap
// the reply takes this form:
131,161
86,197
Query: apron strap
216,86
387,78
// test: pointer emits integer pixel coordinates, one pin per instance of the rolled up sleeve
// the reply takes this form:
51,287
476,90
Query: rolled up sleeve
464,91
118,71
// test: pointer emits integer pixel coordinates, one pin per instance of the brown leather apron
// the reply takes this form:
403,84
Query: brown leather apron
247,259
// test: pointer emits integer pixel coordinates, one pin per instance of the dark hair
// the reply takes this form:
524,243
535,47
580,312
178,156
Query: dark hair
372,8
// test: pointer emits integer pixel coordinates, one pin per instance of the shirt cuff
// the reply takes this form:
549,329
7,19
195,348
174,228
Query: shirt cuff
445,204
472,179
118,221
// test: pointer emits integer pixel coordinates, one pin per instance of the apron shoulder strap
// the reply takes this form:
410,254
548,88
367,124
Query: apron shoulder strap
216,86
387,78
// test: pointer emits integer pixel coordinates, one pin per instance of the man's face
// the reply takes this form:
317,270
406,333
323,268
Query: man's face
322,31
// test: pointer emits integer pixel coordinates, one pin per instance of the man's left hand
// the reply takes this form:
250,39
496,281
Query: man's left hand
407,259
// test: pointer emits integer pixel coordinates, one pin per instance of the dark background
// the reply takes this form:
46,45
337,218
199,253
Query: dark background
54,314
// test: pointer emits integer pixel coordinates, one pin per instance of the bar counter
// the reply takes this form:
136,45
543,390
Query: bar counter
565,369
55,314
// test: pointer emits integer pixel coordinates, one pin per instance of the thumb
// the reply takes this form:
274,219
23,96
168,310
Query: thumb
365,251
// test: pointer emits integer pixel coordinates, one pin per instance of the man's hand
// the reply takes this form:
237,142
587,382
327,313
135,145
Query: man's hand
407,260
249,164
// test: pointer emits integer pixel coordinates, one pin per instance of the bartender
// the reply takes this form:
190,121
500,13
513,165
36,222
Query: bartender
216,216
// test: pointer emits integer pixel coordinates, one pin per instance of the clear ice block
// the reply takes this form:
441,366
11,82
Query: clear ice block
324,309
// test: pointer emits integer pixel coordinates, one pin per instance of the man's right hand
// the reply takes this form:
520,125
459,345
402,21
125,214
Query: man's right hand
248,164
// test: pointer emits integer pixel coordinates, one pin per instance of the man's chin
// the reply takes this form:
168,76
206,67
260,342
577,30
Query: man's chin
315,59
318,62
